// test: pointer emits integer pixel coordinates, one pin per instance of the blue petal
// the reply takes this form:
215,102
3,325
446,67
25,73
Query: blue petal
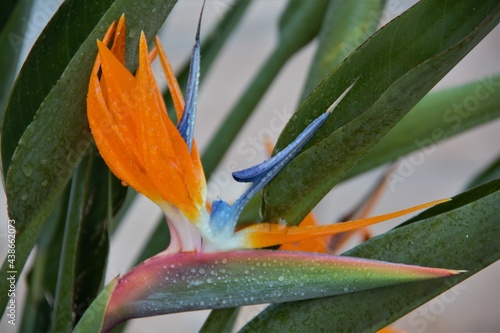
270,167
186,124
223,217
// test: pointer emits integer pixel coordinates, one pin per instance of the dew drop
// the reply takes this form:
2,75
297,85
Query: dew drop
44,182
201,271
27,170
124,183
224,261
281,278
209,280
24,196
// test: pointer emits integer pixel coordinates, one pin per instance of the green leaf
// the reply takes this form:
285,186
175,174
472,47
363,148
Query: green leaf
62,318
94,194
490,173
194,281
437,117
220,321
105,196
42,278
298,25
13,32
347,24
6,9
432,37
92,320
57,72
462,233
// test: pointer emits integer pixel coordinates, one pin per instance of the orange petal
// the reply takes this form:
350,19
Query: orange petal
270,234
310,245
169,166
173,85
118,48
110,144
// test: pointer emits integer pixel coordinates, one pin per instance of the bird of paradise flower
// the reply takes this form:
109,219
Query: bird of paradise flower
143,147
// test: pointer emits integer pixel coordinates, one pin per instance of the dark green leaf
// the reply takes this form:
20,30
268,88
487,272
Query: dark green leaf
85,247
432,37
462,233
58,137
105,196
6,9
490,173
62,315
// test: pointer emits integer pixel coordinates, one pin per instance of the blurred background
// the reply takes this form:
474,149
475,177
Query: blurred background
472,306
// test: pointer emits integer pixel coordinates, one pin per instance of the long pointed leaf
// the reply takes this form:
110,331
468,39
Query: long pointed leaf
437,117
347,24
190,281
461,233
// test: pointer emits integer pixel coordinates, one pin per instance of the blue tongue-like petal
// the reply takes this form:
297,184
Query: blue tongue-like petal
224,216
186,124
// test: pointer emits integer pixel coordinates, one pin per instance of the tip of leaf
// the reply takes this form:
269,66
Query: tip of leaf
457,271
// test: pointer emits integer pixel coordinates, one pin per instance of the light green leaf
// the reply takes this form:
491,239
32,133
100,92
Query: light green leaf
437,117
298,25
42,278
432,37
347,25
13,32
93,319
462,233
220,321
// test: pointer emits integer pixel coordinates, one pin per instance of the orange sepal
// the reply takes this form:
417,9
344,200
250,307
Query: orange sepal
310,245
271,234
